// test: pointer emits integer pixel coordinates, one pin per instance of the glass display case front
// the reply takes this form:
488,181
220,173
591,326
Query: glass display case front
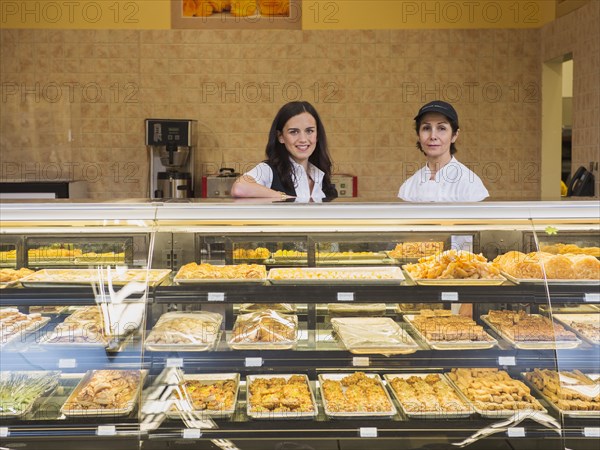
316,326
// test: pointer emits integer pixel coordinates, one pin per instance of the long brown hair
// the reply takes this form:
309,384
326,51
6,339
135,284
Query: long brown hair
278,156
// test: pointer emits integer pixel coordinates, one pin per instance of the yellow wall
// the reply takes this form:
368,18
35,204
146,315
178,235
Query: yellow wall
317,15
401,14
83,14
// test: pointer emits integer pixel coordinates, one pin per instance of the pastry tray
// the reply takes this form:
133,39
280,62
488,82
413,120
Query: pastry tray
279,415
566,413
27,408
532,345
338,258
395,272
23,331
78,277
356,329
450,345
455,281
284,308
569,282
564,320
466,412
358,414
205,379
101,412
280,345
494,414
177,279
209,344
356,309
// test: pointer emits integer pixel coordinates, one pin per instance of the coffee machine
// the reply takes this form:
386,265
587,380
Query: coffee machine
171,146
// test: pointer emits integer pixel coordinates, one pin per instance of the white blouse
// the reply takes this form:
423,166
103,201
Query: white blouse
263,175
453,183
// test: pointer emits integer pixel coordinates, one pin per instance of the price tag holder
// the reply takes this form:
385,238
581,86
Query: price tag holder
216,296
507,361
367,432
449,296
591,432
591,297
3,431
67,363
106,430
174,362
361,361
345,296
191,433
515,432
254,362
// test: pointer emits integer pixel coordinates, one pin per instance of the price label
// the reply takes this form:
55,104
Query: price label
174,362
367,432
254,362
192,433
361,361
591,431
507,361
216,296
106,430
68,363
3,431
345,296
515,432
591,297
449,296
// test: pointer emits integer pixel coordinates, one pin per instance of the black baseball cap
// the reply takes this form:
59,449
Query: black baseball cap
441,107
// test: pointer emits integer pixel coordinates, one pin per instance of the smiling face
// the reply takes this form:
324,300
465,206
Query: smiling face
435,137
299,135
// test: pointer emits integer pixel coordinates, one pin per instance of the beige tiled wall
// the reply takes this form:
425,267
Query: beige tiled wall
74,102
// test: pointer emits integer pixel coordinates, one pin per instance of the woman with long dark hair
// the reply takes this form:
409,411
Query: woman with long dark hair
298,162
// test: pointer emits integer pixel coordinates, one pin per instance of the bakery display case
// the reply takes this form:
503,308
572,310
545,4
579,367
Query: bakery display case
253,324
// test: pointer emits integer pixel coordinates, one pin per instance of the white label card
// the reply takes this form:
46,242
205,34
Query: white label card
367,432
3,431
254,362
515,432
174,362
192,433
507,361
361,361
591,431
68,363
216,296
449,296
106,430
592,297
345,296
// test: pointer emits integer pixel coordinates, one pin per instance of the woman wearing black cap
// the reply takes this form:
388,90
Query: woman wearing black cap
443,178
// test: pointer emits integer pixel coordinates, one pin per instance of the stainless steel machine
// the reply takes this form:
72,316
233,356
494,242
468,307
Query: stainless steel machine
171,145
